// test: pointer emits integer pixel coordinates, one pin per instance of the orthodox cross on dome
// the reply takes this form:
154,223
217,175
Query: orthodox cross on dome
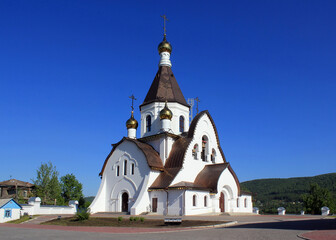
164,23
197,101
133,98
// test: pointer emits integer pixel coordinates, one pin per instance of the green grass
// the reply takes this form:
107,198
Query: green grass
20,220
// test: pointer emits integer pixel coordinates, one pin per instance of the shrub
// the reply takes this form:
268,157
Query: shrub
142,219
131,219
120,219
82,214
136,219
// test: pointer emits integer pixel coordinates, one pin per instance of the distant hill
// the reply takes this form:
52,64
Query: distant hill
269,194
89,199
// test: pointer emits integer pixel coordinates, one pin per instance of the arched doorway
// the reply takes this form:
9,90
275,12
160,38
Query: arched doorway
124,202
222,202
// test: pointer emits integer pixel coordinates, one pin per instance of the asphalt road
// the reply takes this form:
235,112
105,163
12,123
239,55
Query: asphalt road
280,229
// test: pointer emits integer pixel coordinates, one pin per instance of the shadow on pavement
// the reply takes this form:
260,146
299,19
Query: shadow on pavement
318,224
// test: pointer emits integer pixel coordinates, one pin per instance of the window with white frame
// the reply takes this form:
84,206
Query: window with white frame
8,213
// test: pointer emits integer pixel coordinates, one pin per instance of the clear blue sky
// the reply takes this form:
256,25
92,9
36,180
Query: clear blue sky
265,70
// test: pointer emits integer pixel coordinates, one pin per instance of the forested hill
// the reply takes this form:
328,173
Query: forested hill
268,193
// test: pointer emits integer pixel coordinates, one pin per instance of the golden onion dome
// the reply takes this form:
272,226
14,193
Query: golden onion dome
165,113
165,46
131,122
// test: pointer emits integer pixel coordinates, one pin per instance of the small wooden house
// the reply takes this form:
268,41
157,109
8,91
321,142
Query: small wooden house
9,210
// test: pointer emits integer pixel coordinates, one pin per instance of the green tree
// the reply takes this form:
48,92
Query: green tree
317,198
71,188
47,186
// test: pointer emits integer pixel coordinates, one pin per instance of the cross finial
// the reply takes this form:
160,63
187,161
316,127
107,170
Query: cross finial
197,101
164,24
133,98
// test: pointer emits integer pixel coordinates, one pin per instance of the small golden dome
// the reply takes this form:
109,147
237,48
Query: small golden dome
165,46
165,113
132,123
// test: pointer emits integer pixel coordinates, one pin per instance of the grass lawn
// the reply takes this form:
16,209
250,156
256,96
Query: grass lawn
113,222
20,220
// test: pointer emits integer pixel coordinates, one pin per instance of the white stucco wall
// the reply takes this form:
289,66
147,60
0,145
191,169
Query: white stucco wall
192,167
200,208
108,198
15,214
34,207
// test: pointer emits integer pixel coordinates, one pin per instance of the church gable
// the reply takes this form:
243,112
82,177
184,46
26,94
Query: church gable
152,157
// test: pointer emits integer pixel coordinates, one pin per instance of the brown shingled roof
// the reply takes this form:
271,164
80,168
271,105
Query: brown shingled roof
15,182
153,158
164,87
173,164
208,177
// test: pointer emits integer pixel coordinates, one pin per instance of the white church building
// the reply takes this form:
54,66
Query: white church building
175,167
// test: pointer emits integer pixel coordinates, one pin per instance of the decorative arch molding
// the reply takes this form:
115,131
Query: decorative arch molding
135,188
128,157
228,191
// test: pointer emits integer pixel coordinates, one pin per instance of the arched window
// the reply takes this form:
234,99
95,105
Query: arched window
148,123
194,151
181,124
194,201
132,169
213,156
205,201
245,203
118,169
125,167
205,145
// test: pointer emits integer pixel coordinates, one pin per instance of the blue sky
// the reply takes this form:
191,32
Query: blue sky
265,70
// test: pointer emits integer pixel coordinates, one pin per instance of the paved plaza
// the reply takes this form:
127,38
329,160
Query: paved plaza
247,227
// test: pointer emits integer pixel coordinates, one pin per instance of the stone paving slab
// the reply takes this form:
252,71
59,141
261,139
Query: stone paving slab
319,235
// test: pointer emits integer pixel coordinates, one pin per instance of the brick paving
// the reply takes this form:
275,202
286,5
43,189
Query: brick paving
320,235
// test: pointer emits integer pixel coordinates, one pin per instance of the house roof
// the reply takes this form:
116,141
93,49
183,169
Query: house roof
164,87
4,201
15,182
153,158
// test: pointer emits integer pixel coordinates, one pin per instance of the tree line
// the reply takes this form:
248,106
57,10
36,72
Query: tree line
295,194
55,190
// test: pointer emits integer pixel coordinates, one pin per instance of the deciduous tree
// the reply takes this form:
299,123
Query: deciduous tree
47,186
71,188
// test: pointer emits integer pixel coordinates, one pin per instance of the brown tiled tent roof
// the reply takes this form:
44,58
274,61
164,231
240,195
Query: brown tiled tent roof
153,158
208,177
164,87
15,182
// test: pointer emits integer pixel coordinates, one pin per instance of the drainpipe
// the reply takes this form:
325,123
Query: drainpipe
183,200
166,202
